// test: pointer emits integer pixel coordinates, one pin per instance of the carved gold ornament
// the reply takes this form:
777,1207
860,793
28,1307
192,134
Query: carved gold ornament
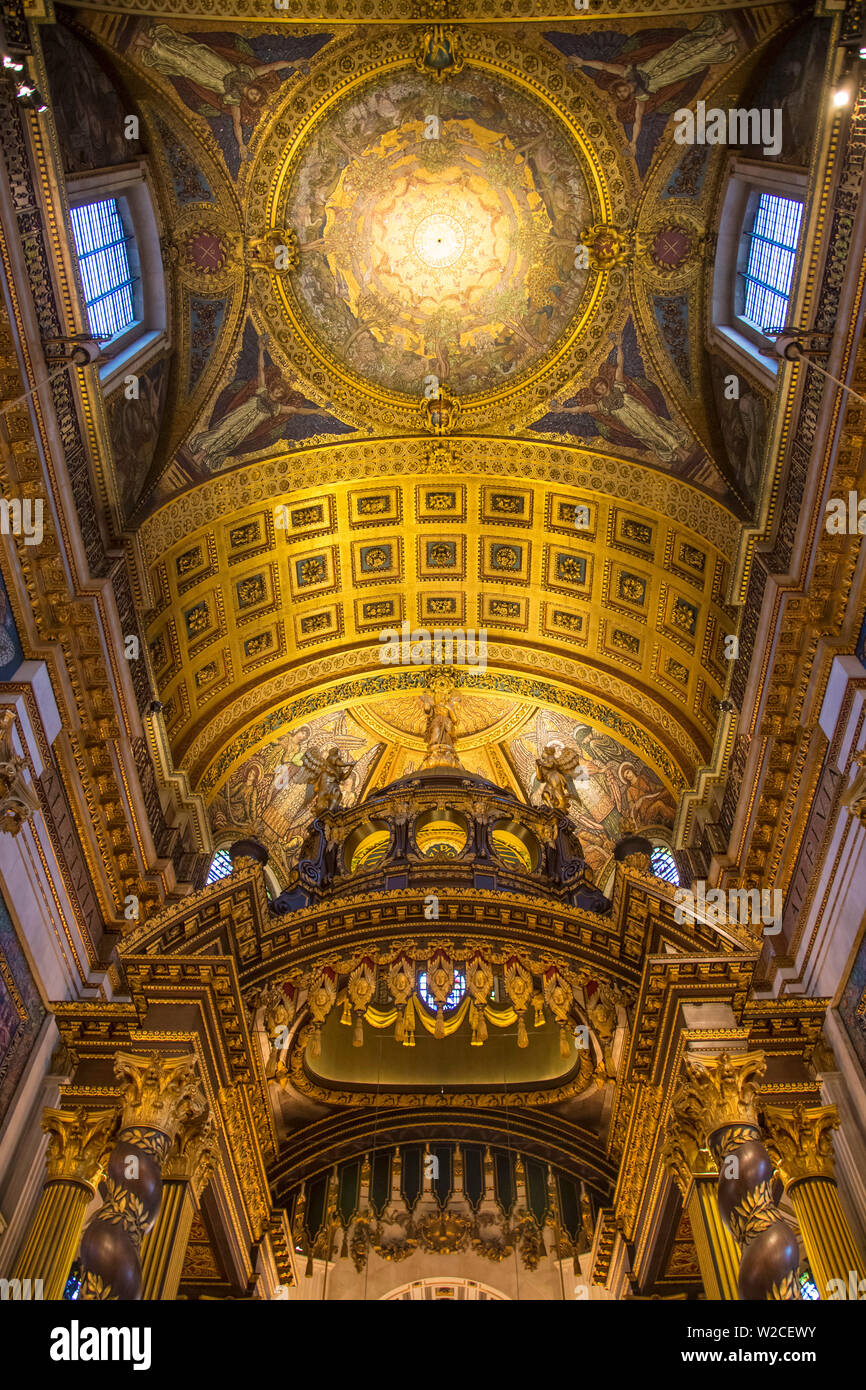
78,1143
440,412
440,52
361,988
321,999
18,799
156,1090
608,246
800,1141
518,983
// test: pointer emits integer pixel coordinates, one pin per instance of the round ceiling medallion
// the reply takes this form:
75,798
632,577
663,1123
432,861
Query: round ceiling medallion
439,240
437,225
206,251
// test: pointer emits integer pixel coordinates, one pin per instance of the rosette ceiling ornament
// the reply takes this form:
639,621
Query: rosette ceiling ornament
438,226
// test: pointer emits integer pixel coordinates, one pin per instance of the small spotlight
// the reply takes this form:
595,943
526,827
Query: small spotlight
10,64
863,51
30,97
841,96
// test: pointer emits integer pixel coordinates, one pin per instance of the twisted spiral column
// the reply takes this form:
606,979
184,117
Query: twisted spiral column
158,1094
77,1145
719,1098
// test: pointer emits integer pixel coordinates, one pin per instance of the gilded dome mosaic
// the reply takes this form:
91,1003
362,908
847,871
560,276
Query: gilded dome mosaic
437,226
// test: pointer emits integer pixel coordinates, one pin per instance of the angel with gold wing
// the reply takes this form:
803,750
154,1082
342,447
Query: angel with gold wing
325,775
554,767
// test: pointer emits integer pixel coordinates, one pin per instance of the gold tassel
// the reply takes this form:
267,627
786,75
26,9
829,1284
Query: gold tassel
522,1035
315,1043
358,1035
439,1030
344,1253
398,1029
564,1041
308,1272
346,1016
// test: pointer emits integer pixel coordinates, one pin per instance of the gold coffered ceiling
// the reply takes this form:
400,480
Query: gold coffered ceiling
630,609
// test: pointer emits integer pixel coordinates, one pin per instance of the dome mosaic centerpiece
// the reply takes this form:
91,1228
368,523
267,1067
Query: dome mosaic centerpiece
437,225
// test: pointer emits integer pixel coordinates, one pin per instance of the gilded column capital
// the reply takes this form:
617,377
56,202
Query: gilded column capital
195,1156
79,1141
684,1152
719,1092
18,800
156,1090
800,1141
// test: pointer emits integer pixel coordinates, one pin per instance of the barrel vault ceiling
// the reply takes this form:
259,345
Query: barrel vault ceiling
577,491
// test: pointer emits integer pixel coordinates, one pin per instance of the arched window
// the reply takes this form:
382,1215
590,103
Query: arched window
220,866
110,286
755,261
663,864
116,237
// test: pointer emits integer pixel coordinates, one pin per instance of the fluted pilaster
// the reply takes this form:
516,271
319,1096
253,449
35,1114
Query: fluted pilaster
188,1169
801,1144
691,1166
78,1143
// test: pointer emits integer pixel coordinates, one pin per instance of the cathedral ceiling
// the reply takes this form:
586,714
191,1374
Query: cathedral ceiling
258,629
436,225
428,190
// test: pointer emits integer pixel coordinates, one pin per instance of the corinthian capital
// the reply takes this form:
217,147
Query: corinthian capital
684,1152
800,1141
78,1142
157,1091
196,1153
720,1091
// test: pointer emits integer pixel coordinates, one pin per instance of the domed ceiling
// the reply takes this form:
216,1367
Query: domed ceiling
279,476
434,201
437,228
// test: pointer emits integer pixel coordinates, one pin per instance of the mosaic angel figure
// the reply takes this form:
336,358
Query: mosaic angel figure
625,412
657,75
218,76
257,411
